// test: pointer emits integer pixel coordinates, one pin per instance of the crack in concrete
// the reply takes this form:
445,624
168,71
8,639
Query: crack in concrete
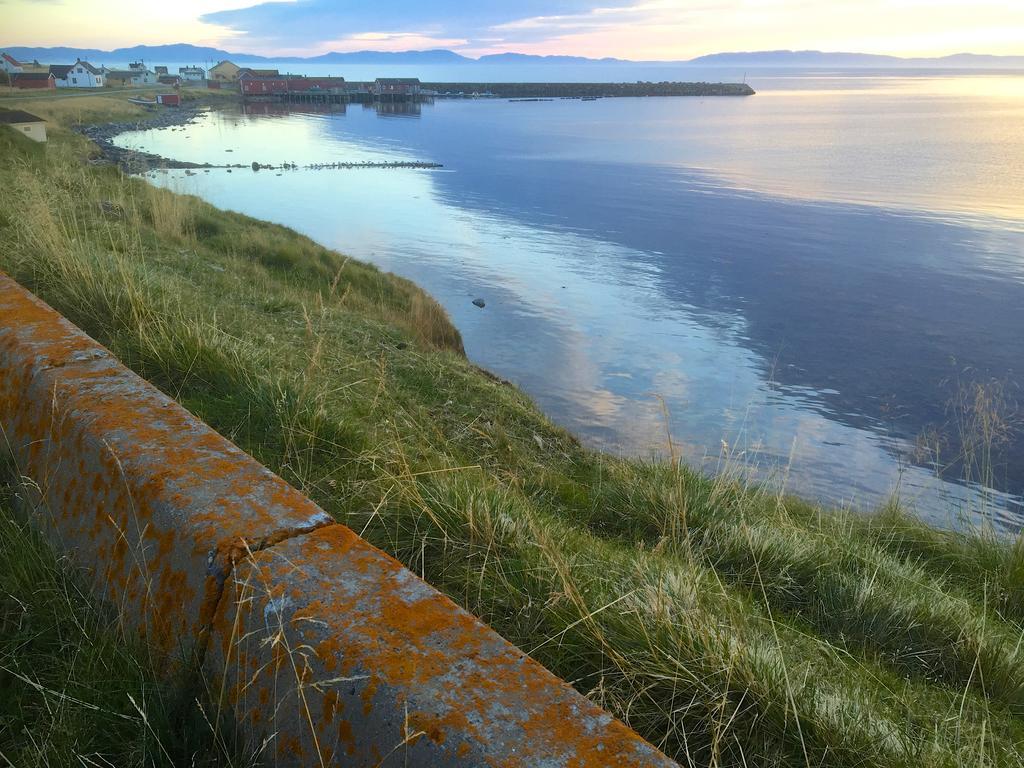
234,554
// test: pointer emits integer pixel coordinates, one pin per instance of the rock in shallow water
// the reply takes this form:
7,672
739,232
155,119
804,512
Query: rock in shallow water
480,303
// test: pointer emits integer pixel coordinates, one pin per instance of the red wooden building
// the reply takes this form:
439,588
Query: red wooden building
40,81
285,85
254,85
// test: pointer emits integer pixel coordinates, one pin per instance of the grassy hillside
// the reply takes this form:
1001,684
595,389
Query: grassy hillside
729,625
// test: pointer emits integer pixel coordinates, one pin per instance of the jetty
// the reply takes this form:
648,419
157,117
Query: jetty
536,91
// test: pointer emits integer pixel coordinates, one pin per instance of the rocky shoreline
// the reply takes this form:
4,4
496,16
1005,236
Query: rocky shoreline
136,162
132,161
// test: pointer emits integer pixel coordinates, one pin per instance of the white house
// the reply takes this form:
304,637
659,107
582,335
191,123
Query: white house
81,74
192,74
129,77
9,64
24,123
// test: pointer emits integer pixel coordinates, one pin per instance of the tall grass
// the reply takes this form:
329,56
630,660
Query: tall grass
74,689
730,625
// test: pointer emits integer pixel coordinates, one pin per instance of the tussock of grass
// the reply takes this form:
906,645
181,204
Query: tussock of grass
74,690
729,625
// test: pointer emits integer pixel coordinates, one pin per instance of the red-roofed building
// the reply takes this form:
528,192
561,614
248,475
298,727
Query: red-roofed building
10,65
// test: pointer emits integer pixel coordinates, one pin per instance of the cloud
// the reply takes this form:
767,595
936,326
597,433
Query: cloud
311,22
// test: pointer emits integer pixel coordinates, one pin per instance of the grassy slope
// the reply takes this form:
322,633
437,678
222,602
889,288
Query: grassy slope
726,624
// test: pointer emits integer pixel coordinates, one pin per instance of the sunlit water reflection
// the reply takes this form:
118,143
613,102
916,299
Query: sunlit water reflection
804,277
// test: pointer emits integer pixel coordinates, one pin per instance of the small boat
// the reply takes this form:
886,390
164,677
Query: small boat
143,102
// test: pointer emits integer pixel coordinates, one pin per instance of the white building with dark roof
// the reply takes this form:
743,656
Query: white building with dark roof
192,74
81,74
24,123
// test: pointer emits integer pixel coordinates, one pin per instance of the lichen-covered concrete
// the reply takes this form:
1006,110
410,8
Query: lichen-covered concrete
332,642
317,640
133,487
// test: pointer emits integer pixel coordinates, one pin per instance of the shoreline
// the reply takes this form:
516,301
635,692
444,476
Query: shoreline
132,161
136,162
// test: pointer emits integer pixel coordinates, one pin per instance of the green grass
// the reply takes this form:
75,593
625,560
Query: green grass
728,624
74,689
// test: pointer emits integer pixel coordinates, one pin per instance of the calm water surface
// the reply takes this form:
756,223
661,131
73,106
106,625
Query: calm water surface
806,278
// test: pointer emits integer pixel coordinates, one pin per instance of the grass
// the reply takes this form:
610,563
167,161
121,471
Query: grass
74,689
728,624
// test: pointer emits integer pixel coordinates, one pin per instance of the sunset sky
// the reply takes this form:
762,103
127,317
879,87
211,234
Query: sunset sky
647,29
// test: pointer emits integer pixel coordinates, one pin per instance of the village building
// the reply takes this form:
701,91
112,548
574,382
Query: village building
168,99
253,85
81,74
9,64
192,74
24,123
60,74
172,80
35,81
158,71
225,72
123,78
397,87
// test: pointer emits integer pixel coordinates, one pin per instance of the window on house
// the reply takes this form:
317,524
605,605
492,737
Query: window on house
74,79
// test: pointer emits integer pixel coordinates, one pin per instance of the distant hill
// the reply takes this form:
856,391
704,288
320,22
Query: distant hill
439,56
841,60
795,59
526,58
181,52
185,53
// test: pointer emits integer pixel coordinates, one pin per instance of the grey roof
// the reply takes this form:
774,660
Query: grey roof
60,71
13,116
31,76
398,80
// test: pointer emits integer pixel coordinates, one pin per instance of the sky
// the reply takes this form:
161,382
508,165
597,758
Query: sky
632,29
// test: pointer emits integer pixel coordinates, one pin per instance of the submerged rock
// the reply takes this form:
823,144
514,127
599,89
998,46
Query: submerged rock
480,303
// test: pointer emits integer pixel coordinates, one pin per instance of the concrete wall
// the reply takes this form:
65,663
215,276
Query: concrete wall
315,639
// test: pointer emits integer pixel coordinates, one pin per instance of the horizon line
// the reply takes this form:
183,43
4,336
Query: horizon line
468,57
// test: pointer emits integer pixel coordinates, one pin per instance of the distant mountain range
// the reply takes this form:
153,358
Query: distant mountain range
183,52
855,60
